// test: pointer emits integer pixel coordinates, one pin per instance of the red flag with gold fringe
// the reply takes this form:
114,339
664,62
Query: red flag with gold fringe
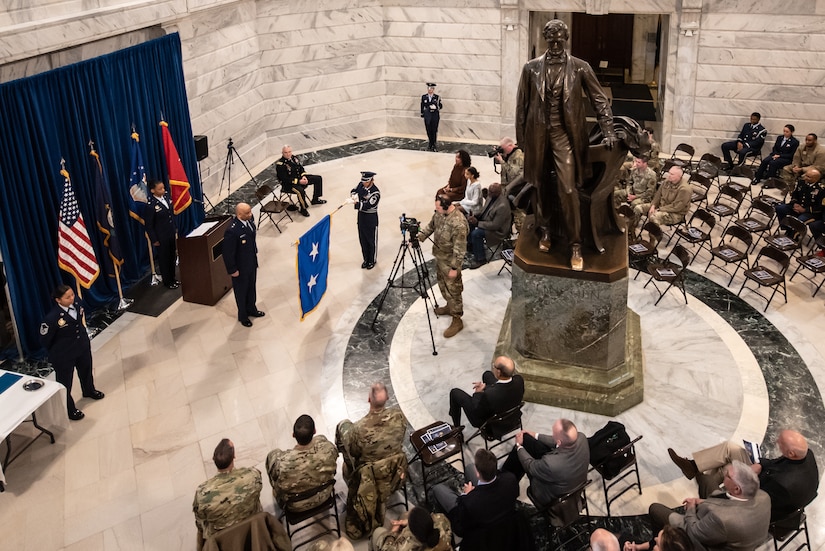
178,182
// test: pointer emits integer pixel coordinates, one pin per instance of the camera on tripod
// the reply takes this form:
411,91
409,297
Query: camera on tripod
409,224
497,150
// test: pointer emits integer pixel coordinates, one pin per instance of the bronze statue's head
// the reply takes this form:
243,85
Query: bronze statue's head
556,34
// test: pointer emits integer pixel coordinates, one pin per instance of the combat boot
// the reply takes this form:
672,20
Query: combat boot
441,310
456,326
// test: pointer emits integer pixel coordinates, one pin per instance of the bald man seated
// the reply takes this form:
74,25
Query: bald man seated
791,480
602,540
499,390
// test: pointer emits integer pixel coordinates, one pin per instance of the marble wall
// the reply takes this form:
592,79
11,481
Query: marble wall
268,72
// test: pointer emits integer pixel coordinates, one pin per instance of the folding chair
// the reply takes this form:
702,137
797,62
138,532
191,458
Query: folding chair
774,183
562,513
499,426
700,186
732,249
431,448
683,156
507,255
697,231
615,468
727,204
271,209
641,251
768,270
785,530
789,236
670,272
747,174
317,514
709,166
813,263
758,220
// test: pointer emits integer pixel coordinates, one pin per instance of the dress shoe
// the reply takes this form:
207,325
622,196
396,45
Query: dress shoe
477,265
319,201
687,466
174,285
370,265
441,310
257,314
576,260
96,395
246,323
456,326
304,212
364,265
76,415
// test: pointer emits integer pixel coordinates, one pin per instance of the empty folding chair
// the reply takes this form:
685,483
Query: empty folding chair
683,156
758,220
670,271
726,205
697,231
768,272
644,249
732,251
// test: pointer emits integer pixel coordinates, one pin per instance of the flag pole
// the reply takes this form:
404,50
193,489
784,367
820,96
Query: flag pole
155,279
90,331
124,302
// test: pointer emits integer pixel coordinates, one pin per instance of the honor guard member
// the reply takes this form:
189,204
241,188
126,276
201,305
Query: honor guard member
63,335
160,225
430,108
294,179
240,254
366,196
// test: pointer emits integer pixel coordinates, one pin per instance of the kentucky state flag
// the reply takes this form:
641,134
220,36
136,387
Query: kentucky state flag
313,265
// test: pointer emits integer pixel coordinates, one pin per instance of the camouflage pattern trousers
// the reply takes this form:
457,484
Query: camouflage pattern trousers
451,289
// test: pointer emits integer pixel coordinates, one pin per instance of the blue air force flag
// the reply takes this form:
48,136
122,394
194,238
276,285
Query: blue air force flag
313,265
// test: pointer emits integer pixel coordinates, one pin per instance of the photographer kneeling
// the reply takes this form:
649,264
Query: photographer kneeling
492,224
511,158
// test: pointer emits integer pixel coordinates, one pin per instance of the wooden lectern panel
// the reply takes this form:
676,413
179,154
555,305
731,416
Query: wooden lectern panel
203,276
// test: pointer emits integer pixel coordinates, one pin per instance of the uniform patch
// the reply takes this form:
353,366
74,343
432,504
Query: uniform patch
61,322
44,328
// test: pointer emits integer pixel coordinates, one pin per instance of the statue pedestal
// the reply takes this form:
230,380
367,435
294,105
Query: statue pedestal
574,340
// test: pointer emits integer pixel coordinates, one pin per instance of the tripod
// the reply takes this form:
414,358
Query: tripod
231,153
422,283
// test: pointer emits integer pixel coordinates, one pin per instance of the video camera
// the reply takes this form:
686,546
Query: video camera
410,224
497,150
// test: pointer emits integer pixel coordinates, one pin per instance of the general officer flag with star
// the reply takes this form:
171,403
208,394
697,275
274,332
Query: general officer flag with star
313,265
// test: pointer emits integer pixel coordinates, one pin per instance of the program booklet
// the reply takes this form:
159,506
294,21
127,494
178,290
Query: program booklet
753,451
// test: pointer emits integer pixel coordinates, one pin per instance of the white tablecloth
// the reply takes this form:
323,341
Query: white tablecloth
17,405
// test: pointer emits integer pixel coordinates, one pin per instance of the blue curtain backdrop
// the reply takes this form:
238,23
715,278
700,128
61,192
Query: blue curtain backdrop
54,115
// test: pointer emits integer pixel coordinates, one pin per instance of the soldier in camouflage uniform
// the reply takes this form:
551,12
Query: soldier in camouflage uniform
671,201
231,496
308,465
374,461
639,184
419,532
449,230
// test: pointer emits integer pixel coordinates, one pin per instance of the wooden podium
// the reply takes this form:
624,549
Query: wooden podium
203,276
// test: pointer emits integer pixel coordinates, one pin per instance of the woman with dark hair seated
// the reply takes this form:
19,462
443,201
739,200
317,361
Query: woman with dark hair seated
668,539
457,183
421,531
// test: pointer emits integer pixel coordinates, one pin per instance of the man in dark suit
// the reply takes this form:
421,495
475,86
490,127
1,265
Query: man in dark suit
295,179
240,254
736,519
430,111
556,464
63,335
749,141
492,224
551,129
488,496
781,155
160,225
499,390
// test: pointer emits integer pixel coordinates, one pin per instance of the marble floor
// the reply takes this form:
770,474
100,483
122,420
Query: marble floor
124,477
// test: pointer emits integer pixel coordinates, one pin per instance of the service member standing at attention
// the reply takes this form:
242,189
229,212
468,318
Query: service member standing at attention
160,225
449,229
240,254
366,197
63,335
430,108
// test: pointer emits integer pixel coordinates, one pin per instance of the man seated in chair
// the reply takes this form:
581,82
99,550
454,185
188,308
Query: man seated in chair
737,517
308,465
791,480
499,390
638,186
492,224
749,142
671,201
374,461
806,200
809,155
229,497
487,497
555,464
294,179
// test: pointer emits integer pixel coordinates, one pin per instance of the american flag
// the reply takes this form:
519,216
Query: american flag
74,248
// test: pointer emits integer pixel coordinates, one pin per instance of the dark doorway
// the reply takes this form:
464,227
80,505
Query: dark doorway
605,42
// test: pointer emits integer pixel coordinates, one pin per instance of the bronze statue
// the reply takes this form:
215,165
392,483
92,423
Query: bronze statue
551,129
